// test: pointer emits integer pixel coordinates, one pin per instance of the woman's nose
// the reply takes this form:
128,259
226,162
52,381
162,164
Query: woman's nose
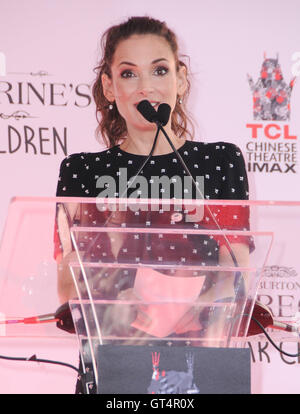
145,85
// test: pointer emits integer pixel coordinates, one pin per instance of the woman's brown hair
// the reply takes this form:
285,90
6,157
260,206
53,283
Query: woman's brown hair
111,125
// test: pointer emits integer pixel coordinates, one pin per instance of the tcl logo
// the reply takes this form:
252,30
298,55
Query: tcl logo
271,131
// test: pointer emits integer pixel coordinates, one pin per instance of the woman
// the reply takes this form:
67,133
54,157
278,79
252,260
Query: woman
140,62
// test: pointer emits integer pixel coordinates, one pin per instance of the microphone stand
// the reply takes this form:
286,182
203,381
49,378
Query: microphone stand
239,282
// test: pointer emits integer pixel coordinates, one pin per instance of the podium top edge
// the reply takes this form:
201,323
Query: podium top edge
98,200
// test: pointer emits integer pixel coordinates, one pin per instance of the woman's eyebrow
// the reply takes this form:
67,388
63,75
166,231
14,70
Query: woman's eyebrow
126,63
159,60
153,62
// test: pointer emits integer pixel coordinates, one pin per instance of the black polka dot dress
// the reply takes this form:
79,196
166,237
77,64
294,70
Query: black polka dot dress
221,169
221,164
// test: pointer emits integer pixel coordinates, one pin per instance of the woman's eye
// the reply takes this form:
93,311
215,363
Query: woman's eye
127,74
161,70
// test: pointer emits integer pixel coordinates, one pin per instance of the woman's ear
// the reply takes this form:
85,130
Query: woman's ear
182,83
107,87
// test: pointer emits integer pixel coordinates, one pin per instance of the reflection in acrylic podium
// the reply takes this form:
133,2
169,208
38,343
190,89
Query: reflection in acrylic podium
147,285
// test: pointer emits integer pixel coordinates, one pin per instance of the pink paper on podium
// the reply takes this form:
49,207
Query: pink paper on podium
174,297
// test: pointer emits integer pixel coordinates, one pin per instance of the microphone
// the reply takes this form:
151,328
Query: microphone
163,113
147,110
62,317
262,317
49,317
160,118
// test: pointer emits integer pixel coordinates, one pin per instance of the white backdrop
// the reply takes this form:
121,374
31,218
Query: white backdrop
48,50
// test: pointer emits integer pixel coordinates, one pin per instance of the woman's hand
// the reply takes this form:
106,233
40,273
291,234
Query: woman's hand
65,283
119,316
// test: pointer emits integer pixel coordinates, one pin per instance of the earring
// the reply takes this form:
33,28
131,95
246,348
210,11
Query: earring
110,106
180,101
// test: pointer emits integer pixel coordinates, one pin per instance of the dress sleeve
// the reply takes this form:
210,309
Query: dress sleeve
68,185
70,177
234,187
234,179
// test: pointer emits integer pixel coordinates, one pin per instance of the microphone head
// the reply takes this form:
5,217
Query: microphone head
163,113
65,320
147,110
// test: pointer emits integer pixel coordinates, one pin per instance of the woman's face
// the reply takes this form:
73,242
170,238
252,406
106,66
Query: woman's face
143,67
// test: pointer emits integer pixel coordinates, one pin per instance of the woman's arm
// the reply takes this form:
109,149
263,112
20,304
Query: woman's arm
241,253
65,285
221,283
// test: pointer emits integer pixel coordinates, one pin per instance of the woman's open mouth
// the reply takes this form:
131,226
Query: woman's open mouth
155,104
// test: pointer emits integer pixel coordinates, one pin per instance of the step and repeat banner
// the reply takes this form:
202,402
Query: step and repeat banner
244,59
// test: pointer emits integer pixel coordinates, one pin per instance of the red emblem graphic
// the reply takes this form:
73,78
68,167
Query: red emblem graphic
271,94
172,382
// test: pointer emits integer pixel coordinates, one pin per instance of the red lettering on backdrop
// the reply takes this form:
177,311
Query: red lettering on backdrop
286,133
283,131
254,128
267,131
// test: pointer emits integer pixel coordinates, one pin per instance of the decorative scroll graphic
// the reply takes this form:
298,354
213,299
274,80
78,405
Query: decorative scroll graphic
271,94
279,271
37,73
17,115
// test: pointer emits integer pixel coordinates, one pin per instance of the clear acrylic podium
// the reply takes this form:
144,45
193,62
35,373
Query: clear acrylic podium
146,272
